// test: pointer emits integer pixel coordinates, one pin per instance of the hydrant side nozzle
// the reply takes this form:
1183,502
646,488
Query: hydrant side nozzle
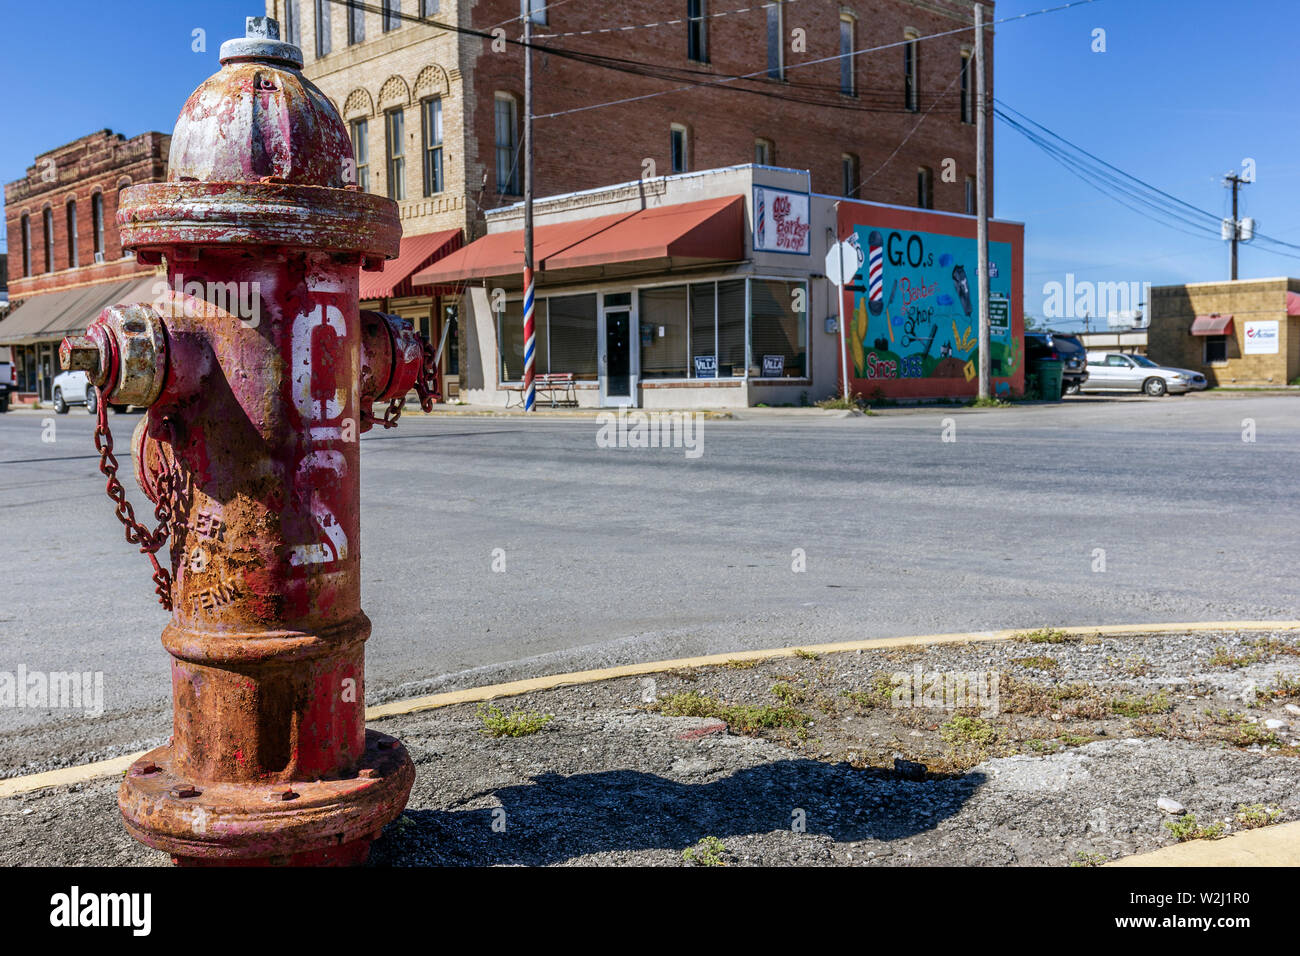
139,336
81,353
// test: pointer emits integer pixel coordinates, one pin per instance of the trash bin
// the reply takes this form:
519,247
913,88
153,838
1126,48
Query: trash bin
1050,373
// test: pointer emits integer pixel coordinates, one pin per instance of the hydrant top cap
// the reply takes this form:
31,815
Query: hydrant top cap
261,41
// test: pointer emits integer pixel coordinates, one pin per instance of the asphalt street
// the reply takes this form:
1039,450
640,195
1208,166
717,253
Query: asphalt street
612,555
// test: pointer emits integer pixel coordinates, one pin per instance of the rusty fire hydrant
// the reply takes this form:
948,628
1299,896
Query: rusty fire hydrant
258,374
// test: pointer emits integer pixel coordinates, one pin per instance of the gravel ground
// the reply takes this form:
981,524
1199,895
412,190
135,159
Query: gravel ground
792,762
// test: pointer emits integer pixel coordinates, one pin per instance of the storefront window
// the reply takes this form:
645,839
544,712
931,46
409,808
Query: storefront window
778,331
571,321
664,327
510,328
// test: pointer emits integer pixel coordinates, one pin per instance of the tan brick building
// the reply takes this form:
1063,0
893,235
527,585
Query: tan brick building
65,260
1237,333
436,114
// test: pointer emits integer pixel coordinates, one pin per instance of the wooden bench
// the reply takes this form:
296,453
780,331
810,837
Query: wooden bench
558,385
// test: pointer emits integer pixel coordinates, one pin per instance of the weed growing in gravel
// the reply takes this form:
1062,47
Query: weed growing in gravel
708,852
1285,687
806,655
967,730
1044,635
1254,815
1142,705
787,693
740,718
1186,828
878,693
1040,662
1131,666
1088,859
737,665
517,723
1257,650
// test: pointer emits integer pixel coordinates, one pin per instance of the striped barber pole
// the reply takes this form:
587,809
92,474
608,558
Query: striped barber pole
530,343
875,273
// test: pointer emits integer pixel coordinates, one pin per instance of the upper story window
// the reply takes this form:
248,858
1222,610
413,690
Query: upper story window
395,138
848,174
679,148
970,196
291,33
323,27
925,187
911,72
507,144
356,22
848,62
429,7
392,13
776,41
73,259
431,114
537,8
27,245
97,224
47,220
967,91
697,31
764,151
361,152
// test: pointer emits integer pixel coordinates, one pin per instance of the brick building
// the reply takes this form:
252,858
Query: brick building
436,114
65,261
1245,332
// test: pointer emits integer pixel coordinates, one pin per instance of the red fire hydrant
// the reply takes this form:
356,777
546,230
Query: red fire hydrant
258,374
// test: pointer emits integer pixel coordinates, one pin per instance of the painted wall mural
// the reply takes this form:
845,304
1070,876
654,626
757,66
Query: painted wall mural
913,328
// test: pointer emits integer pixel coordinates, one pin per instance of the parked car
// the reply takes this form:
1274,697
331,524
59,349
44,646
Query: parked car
1118,372
8,377
73,388
1062,348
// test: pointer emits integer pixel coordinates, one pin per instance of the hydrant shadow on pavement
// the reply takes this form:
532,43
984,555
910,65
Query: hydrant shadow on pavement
558,818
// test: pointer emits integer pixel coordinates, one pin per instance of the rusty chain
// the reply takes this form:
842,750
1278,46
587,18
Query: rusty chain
166,509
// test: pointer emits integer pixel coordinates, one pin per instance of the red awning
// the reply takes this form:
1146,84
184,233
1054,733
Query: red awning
1212,325
1293,303
416,252
709,230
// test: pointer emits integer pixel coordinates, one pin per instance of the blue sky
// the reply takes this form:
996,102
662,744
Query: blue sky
1185,91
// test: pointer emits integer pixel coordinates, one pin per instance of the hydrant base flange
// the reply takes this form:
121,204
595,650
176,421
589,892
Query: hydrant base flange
299,823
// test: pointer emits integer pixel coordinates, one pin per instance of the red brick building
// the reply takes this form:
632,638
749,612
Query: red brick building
65,260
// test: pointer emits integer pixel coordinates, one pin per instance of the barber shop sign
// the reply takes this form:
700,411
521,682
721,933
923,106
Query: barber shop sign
781,222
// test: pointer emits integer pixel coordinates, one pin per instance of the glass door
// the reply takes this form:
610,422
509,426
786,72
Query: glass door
617,366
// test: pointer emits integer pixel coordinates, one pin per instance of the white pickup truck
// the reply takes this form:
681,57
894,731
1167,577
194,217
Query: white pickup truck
73,388
8,377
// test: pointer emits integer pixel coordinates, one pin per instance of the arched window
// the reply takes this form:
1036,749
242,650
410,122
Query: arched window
47,221
73,259
97,224
27,245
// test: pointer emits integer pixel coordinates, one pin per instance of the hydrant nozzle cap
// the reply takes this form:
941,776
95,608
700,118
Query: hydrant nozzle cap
261,41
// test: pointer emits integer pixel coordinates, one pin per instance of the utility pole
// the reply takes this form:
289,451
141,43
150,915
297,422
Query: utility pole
981,206
530,340
1235,182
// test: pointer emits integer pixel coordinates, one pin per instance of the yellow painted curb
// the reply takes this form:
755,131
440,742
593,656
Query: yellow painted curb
105,768
1268,846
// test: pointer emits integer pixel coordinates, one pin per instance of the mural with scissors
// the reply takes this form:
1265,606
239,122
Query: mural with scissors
915,313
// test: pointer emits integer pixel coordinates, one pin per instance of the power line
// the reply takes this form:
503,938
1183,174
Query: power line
719,81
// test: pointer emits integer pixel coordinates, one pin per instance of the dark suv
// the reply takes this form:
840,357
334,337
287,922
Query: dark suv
1064,348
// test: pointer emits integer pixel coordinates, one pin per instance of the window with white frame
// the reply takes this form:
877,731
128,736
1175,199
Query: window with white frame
507,144
395,140
356,22
776,41
848,174
764,152
431,113
392,14
678,146
323,27
697,31
73,257
911,71
361,152
848,62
